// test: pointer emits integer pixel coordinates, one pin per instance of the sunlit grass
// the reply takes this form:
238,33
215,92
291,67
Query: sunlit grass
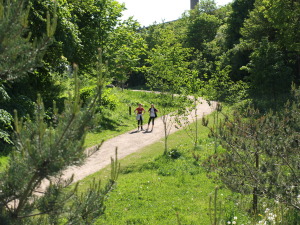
3,162
154,189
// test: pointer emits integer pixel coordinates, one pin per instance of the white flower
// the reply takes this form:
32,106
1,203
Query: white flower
228,222
235,218
233,222
267,210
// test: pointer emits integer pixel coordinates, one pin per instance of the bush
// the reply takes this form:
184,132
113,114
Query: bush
109,100
174,154
87,92
5,126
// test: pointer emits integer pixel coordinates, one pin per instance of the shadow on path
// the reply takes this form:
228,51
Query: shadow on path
134,132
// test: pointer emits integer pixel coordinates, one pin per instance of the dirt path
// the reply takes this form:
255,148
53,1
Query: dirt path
128,143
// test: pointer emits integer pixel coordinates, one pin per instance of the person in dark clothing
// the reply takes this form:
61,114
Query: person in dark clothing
153,114
139,116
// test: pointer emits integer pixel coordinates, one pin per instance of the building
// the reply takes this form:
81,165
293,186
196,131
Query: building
194,3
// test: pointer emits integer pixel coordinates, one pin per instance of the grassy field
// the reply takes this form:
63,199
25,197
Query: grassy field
173,189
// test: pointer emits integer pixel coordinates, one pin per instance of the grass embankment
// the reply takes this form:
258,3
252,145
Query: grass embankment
157,189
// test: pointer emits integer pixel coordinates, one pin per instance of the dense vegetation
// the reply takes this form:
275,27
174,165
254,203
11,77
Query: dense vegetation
245,53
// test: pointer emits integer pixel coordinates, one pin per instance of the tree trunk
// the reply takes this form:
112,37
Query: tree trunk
166,135
255,189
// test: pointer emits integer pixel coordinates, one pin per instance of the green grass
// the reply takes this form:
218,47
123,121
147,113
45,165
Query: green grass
155,189
3,162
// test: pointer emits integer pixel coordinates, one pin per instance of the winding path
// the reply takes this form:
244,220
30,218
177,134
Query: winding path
128,143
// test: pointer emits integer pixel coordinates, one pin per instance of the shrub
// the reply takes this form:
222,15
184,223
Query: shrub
5,126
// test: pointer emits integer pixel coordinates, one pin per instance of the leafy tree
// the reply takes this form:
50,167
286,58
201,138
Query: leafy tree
83,27
125,49
204,6
240,11
236,57
201,30
168,71
265,36
168,65
5,126
270,77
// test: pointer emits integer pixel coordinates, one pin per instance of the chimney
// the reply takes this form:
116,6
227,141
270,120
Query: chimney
194,3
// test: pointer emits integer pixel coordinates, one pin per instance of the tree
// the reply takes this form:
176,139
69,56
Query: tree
201,25
271,77
265,35
125,48
168,71
261,153
18,55
41,152
83,27
43,149
240,11
201,30
191,128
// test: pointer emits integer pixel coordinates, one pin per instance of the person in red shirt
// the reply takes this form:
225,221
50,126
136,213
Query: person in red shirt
139,116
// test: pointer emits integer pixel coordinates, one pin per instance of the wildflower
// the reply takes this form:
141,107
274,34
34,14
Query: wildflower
228,222
233,222
235,218
267,210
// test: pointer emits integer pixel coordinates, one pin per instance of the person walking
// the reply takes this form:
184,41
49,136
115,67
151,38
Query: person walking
139,116
153,114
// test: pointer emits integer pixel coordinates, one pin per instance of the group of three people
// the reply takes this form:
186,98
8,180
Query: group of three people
139,116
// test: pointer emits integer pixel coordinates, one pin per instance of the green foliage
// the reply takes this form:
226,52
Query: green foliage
125,48
40,153
109,100
220,87
19,55
6,121
201,30
240,11
271,76
83,27
167,64
174,154
261,154
86,93
274,59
